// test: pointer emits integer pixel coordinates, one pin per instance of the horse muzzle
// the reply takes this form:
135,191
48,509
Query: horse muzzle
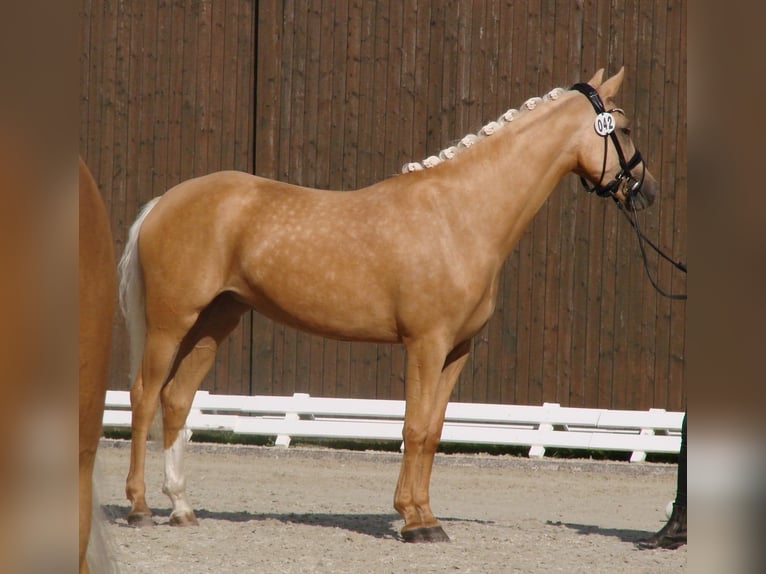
638,194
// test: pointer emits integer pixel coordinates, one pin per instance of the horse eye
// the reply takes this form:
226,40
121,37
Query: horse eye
626,131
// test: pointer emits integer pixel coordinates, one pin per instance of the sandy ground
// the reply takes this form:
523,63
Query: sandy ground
271,510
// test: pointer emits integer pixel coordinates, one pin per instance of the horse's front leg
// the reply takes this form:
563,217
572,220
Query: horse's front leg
430,380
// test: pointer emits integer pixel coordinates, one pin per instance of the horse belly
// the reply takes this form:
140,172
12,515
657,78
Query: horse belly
324,303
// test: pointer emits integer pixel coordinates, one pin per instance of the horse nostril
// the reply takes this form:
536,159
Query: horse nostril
649,194
644,197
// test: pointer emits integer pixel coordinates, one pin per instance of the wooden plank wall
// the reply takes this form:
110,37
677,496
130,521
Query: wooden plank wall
339,95
167,93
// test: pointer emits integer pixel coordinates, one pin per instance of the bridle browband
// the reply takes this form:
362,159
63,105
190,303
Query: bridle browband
632,185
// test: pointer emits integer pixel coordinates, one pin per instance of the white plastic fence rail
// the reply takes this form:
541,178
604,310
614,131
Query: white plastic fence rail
539,427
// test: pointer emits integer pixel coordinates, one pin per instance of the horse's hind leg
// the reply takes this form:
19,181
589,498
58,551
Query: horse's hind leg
195,357
159,350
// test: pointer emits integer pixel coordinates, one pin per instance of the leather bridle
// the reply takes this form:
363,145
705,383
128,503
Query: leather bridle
632,184
606,129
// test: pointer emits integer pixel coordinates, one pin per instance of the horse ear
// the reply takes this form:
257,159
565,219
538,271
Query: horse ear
597,78
610,88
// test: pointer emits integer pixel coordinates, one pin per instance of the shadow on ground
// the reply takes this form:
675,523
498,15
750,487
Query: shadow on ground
626,535
384,526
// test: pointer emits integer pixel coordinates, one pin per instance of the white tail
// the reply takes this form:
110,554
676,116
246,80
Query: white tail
132,291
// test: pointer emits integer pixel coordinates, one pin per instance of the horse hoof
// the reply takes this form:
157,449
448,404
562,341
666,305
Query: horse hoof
426,534
183,519
140,520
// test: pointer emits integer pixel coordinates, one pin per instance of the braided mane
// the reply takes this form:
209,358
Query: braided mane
486,131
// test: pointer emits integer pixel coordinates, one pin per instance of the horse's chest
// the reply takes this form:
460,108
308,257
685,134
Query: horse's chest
479,317
476,310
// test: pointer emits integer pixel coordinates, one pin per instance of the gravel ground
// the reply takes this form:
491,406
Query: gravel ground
271,510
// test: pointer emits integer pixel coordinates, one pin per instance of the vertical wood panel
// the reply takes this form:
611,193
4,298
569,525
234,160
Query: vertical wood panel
584,385
664,154
189,19
381,54
538,228
364,357
504,340
649,102
303,153
475,375
676,130
396,155
494,103
603,243
87,17
632,288
176,95
564,223
673,156
520,283
339,351
627,300
267,113
115,168
156,116
553,213
284,338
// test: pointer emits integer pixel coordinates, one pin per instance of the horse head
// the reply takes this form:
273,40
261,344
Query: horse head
608,159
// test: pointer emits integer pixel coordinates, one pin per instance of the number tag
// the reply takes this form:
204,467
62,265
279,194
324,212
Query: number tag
604,124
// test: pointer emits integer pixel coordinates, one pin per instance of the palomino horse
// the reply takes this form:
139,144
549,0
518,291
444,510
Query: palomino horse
98,298
414,259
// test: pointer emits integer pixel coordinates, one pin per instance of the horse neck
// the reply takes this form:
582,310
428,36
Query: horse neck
506,178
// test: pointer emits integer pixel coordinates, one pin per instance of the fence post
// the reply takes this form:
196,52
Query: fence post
640,455
538,450
283,440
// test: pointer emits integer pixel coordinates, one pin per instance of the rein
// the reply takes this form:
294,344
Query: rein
644,239
605,127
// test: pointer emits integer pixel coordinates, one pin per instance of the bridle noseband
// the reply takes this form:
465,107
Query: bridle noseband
632,185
